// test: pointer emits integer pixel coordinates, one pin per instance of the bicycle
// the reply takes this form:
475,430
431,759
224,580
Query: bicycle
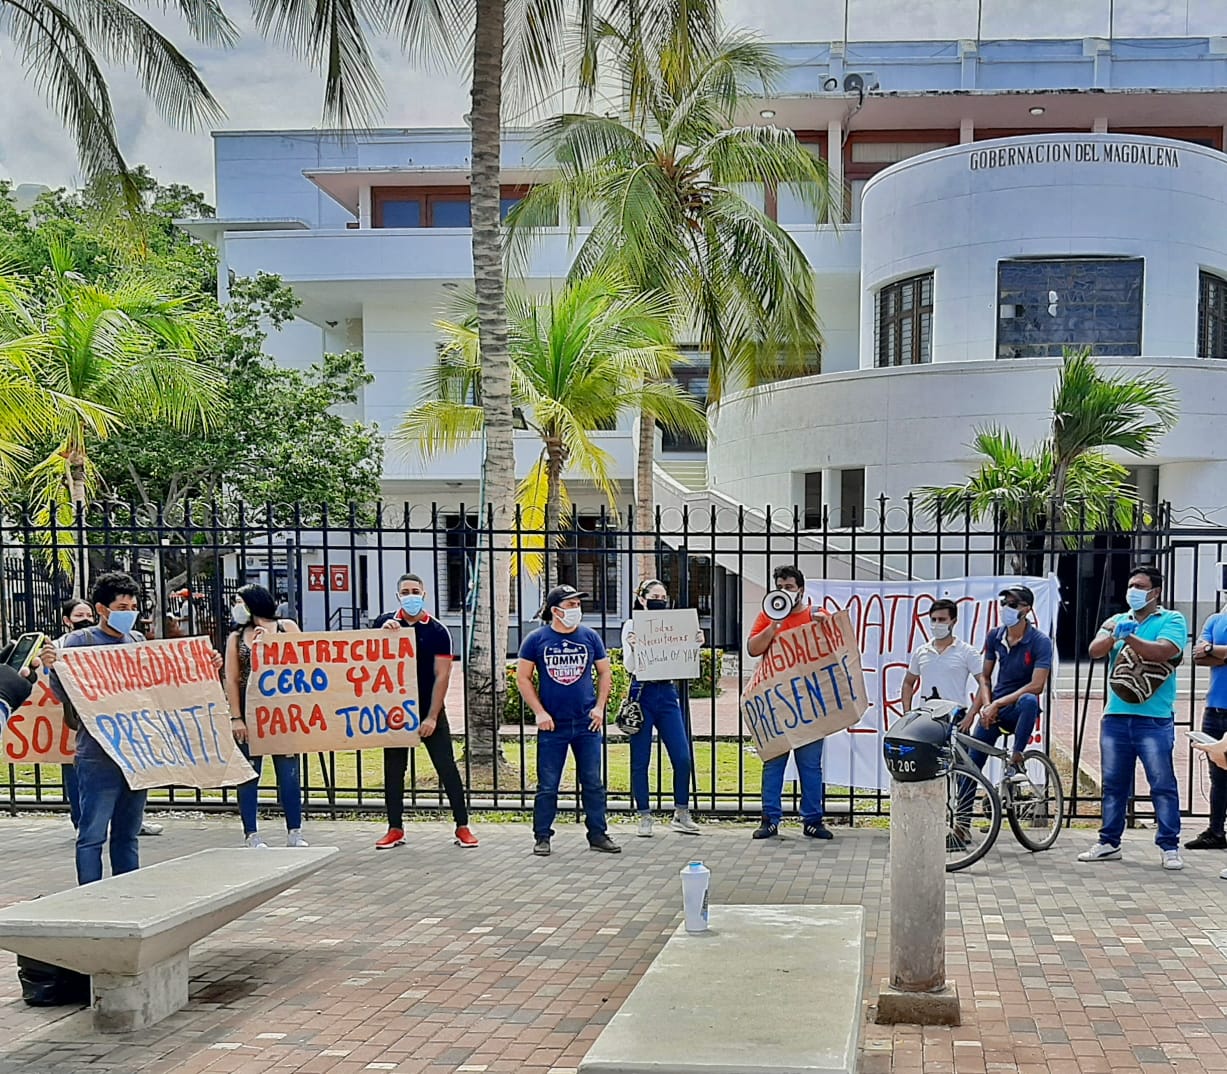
1034,803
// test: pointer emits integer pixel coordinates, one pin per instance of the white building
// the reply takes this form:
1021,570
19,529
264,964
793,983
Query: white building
1007,196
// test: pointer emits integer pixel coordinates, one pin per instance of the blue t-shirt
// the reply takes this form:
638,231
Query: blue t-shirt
1215,632
93,635
1159,625
565,666
1016,664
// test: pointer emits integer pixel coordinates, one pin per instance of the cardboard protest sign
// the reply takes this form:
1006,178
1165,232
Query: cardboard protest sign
332,690
157,709
808,685
666,644
36,733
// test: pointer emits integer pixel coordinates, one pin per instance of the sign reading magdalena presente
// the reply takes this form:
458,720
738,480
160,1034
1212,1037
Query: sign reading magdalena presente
1010,156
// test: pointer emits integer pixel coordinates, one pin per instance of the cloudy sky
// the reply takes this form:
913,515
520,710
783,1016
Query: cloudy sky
263,87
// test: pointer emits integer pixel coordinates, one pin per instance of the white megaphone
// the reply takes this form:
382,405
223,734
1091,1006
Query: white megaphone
778,605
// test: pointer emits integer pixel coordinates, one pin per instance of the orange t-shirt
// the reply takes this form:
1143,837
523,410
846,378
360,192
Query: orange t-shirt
798,618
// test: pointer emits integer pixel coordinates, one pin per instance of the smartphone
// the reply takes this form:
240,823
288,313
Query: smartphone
25,649
1201,738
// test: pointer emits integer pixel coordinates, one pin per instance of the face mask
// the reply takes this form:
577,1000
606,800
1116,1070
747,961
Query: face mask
121,622
1137,599
572,617
657,605
412,604
1010,616
81,624
941,631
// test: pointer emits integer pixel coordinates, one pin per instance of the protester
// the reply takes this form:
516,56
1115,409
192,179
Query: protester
108,804
808,757
254,615
662,710
15,686
1144,730
1211,652
945,664
1021,655
569,712
433,654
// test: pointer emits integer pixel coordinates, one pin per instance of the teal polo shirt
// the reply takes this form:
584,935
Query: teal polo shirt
1160,625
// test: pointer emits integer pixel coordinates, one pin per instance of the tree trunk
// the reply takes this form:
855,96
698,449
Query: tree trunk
77,493
486,659
645,498
555,459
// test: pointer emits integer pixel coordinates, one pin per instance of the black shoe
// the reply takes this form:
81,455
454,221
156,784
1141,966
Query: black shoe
818,831
766,830
604,844
542,848
1208,840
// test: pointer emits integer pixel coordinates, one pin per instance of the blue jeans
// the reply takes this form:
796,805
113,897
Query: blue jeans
72,792
1214,722
289,791
1123,741
551,756
1020,718
809,768
106,803
662,710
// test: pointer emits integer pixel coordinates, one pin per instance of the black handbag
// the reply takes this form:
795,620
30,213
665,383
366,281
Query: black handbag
45,985
630,715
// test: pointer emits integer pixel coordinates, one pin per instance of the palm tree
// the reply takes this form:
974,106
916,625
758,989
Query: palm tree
665,190
579,359
1029,492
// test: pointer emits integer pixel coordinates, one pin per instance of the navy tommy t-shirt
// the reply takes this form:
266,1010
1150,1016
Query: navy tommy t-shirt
565,667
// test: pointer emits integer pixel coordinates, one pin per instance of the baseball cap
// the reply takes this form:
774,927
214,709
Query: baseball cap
557,595
1021,592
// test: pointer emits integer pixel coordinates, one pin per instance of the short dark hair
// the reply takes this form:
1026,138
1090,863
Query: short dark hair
410,577
70,606
111,585
1150,572
788,572
259,601
945,605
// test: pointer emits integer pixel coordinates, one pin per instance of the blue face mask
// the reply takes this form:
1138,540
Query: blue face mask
413,604
1137,599
121,622
1010,616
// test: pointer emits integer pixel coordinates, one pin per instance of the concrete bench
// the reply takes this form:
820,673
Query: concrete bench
132,933
768,990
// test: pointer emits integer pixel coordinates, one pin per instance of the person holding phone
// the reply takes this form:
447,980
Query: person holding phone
16,682
255,614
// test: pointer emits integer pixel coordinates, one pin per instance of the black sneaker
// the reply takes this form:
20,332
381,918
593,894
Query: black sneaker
542,848
818,831
766,830
1208,840
604,844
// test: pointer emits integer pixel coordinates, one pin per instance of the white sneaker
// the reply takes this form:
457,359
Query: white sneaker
1172,860
1223,875
645,826
149,827
256,842
293,838
1100,852
683,823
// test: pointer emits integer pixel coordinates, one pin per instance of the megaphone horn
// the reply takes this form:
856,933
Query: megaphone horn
778,605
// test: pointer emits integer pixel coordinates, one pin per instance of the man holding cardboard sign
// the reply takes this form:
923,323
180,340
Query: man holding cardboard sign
808,684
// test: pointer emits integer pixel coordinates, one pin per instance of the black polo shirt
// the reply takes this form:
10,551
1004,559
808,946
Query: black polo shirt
431,639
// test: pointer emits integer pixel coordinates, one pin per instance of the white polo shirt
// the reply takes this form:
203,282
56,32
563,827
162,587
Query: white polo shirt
948,672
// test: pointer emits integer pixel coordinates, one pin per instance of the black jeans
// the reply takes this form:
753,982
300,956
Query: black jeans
1214,722
443,757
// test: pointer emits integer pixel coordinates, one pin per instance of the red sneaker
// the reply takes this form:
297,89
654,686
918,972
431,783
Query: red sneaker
394,838
465,838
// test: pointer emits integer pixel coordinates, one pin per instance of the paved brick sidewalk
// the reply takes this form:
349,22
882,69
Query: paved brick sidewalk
432,960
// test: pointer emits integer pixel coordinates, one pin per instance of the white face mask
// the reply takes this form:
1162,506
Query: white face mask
241,614
941,631
571,617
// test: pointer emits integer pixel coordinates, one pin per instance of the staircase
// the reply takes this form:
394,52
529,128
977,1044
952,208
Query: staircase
689,473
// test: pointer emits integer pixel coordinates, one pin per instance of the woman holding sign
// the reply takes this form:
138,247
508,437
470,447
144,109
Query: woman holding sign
663,710
255,614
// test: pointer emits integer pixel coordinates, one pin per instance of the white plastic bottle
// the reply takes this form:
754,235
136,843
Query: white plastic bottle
696,879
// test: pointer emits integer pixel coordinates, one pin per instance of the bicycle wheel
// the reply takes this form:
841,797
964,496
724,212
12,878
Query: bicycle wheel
1035,809
971,830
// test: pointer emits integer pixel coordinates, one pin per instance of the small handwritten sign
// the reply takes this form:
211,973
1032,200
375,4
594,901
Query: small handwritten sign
332,690
666,644
808,684
36,732
157,709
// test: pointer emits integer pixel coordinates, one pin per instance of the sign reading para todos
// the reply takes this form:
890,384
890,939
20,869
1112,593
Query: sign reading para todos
332,690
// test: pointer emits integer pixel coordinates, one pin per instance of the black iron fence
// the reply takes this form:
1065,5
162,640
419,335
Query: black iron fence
334,572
